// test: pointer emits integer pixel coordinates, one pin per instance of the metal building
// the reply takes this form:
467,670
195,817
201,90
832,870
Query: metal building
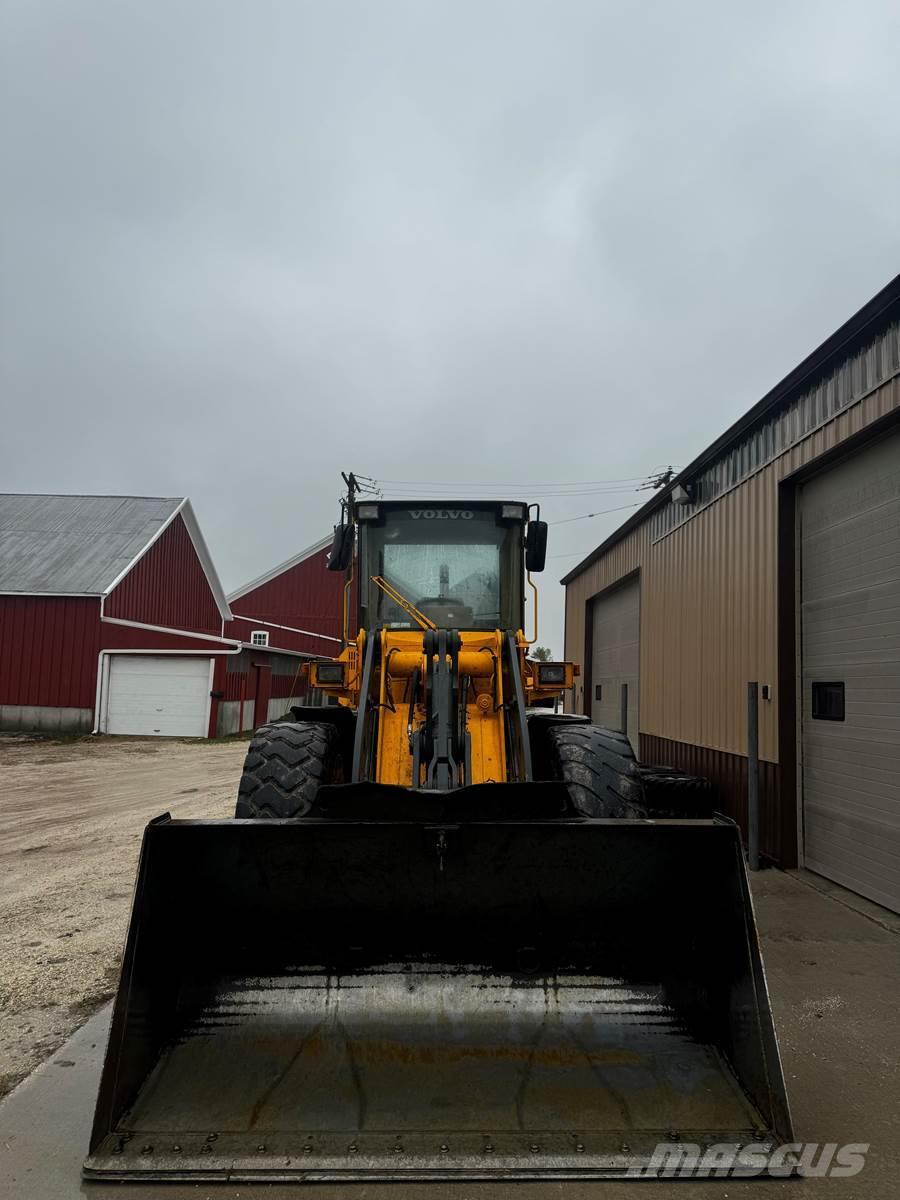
773,557
111,616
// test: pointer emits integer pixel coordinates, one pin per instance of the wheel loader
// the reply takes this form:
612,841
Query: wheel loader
447,935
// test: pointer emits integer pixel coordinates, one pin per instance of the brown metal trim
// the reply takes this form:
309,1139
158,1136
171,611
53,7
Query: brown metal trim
786,618
588,668
729,773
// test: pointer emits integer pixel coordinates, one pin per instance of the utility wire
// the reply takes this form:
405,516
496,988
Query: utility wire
514,483
584,516
558,490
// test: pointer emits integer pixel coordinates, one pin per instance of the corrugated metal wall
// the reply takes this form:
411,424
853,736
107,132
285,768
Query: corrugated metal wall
708,609
48,650
167,587
306,596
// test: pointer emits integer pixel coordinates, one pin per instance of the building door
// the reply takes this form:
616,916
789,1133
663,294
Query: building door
615,659
850,669
158,696
263,692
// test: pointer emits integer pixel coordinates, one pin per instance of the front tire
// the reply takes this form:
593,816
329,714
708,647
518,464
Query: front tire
285,766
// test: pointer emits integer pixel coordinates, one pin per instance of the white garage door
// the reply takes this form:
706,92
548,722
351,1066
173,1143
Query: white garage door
158,696
615,667
850,538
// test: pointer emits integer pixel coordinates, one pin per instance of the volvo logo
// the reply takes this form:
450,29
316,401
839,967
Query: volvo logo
441,514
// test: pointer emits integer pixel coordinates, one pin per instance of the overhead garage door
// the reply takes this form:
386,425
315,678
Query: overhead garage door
850,625
158,696
615,664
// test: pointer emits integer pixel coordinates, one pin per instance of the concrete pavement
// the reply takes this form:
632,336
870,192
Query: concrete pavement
833,964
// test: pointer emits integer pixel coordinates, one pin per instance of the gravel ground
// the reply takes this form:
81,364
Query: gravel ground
71,817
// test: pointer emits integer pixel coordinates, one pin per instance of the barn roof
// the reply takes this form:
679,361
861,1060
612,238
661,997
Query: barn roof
84,545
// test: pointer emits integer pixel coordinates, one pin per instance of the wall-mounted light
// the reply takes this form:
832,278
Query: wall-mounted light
682,494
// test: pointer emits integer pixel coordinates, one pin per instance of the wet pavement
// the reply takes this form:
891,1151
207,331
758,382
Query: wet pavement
833,963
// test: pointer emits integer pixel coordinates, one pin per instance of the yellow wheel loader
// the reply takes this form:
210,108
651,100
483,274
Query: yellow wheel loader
447,934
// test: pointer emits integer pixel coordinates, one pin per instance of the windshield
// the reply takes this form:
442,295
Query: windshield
460,567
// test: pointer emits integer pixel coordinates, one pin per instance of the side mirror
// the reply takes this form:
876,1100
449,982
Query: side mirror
341,548
536,546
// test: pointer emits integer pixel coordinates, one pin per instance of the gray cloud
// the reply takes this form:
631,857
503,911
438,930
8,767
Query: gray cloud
248,245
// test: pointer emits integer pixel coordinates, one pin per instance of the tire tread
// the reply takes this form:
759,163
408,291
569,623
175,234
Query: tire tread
286,764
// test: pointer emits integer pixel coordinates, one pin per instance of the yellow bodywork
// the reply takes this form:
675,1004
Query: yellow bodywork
402,664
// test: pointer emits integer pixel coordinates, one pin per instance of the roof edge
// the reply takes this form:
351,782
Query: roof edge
143,550
315,548
60,595
186,512
832,347
212,576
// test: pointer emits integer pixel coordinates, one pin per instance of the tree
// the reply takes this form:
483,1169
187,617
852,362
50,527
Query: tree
541,654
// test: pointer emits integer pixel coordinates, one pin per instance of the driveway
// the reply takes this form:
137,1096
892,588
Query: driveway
71,816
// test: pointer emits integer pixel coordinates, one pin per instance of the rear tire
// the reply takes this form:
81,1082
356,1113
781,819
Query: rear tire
671,793
285,766
598,765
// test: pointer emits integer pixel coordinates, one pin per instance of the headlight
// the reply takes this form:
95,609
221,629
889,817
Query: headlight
327,672
551,673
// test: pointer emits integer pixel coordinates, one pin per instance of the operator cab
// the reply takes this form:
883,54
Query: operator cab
460,566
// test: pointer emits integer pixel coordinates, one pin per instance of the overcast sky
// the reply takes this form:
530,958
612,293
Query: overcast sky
249,244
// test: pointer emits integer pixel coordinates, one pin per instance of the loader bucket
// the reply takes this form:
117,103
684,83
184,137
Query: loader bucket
349,999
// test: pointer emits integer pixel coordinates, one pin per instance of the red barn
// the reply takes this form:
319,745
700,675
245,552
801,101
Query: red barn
112,616
290,614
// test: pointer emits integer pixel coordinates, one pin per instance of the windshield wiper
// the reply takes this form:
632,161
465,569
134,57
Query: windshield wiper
408,607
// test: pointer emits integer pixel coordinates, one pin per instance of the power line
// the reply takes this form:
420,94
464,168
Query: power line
546,490
503,491
584,516
514,483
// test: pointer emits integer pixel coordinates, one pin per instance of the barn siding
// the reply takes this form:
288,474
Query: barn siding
305,596
167,587
48,651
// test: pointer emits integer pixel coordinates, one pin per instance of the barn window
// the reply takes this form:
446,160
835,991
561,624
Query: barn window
259,637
